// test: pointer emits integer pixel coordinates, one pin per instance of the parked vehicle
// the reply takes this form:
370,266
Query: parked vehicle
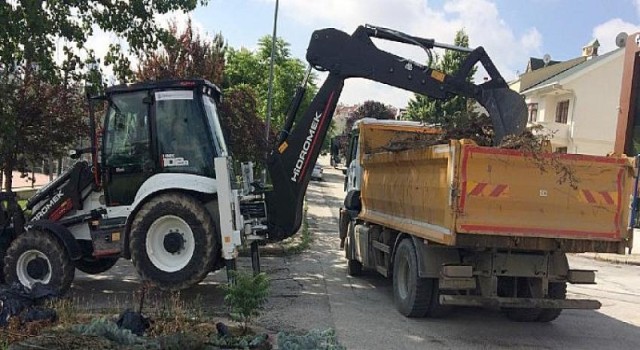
460,224
316,174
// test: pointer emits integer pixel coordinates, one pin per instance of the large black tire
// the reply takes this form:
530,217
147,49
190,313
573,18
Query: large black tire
354,267
4,245
173,241
3,253
437,310
95,266
557,290
37,256
343,226
412,294
523,314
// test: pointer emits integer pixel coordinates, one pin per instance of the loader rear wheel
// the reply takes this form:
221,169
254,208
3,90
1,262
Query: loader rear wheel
557,290
38,257
173,241
95,266
412,294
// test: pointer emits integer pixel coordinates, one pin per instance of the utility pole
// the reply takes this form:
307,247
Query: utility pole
270,91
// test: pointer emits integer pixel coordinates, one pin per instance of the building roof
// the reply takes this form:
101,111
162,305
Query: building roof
573,71
531,78
537,63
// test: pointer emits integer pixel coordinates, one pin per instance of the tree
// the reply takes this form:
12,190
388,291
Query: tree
243,130
30,33
252,69
434,111
49,120
369,109
185,55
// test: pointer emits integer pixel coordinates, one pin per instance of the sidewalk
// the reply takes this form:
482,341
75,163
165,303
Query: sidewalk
628,259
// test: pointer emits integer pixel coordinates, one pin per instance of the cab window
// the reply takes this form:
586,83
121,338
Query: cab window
182,133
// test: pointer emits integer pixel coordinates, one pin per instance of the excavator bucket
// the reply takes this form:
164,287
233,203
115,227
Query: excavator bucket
507,110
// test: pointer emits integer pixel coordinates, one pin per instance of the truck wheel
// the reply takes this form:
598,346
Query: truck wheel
437,310
557,290
354,267
412,294
343,226
95,266
173,241
523,314
37,257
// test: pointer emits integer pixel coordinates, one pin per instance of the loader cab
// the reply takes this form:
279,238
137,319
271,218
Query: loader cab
158,127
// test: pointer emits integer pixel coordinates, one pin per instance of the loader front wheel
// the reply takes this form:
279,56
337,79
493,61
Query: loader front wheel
173,241
412,294
38,257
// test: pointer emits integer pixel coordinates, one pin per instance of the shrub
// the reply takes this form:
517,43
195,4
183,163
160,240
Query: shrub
246,296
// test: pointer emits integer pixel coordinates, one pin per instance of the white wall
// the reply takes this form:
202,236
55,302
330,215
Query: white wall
597,97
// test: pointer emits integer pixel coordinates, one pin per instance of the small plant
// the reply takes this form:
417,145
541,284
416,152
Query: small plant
246,296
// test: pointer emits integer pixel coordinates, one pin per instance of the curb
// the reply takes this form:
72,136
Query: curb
613,258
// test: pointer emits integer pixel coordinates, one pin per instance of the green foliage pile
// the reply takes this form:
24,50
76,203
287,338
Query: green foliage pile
314,339
101,327
242,342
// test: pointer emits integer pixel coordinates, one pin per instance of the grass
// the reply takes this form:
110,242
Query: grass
297,245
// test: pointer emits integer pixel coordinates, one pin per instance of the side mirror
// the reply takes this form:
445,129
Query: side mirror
344,171
74,154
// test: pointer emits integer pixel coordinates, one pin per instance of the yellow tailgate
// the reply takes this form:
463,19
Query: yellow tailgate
503,192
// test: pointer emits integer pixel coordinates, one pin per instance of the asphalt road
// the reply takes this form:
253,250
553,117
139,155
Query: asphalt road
312,290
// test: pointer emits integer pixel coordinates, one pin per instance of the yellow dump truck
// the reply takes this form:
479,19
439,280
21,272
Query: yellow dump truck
461,224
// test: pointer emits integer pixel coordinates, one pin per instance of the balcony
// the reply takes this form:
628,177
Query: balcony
561,132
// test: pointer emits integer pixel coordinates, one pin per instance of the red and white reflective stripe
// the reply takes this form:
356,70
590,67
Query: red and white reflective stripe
598,197
483,189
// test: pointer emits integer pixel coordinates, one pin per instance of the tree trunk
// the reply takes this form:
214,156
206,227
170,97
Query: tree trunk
8,179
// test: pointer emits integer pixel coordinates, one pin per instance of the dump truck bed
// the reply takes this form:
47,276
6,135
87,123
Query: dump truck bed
464,194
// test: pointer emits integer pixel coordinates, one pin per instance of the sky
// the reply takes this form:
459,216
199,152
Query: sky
511,31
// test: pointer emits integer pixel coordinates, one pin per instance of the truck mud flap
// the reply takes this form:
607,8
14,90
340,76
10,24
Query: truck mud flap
537,303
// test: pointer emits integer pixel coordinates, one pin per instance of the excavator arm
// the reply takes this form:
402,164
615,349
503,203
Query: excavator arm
355,56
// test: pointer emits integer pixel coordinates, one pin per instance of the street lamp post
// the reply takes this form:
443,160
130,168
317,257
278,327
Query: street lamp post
270,91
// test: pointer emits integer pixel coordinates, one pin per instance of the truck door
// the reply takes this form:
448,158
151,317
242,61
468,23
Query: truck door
352,180
126,153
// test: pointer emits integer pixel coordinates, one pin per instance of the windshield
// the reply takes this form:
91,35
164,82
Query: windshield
214,123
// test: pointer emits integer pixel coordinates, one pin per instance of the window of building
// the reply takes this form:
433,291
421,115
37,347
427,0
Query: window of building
562,150
533,112
562,112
